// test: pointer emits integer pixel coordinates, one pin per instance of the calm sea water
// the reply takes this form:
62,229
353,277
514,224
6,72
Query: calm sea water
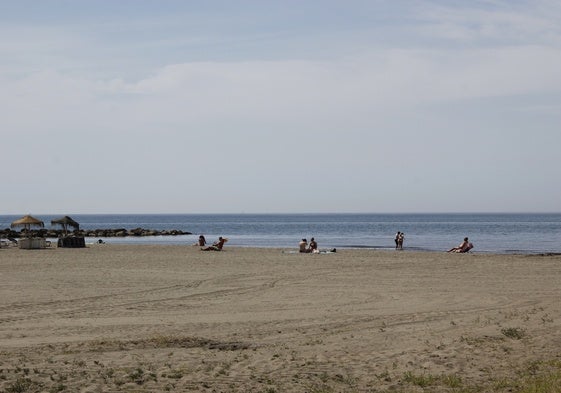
496,233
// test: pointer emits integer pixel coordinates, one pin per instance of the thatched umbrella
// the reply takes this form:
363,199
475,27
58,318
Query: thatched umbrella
27,222
65,222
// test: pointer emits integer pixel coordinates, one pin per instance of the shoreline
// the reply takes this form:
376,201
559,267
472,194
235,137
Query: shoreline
171,241
173,246
143,241
116,317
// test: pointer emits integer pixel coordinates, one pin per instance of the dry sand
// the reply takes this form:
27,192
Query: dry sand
112,318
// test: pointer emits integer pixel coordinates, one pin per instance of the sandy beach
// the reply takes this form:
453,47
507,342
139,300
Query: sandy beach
140,318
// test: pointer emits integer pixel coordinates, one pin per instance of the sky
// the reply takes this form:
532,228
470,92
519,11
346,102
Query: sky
150,106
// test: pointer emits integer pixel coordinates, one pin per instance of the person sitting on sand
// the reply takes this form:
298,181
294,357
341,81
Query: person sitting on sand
313,245
303,245
464,247
202,241
216,246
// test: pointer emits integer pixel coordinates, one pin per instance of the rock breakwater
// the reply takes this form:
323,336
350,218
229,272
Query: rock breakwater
116,232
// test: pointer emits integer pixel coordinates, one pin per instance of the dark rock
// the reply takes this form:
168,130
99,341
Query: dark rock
119,232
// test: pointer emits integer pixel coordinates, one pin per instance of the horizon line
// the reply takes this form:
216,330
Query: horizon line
290,213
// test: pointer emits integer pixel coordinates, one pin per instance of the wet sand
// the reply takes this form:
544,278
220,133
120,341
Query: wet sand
142,318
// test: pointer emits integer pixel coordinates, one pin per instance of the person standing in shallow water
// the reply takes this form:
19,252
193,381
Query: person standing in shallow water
400,240
397,239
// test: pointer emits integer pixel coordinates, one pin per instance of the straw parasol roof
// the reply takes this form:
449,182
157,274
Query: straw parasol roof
65,222
27,222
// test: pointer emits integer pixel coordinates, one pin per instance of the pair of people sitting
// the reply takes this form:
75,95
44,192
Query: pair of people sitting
464,247
305,248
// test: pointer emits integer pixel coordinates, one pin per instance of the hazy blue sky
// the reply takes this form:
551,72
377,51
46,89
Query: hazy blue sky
280,106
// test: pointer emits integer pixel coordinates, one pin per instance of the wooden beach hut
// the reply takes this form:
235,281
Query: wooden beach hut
29,242
69,241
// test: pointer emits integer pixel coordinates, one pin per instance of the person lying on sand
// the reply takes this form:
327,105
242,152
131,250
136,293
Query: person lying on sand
216,246
464,247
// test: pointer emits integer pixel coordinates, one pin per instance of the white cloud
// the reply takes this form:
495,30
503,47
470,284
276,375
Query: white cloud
493,23
255,96
270,90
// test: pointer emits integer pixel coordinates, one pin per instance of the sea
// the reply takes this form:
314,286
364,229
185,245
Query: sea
490,233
